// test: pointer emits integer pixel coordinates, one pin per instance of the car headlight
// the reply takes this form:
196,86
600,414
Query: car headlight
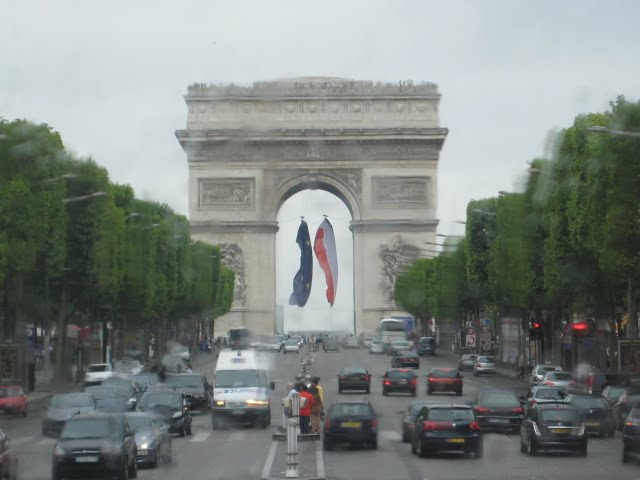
58,451
257,402
177,415
220,403
144,446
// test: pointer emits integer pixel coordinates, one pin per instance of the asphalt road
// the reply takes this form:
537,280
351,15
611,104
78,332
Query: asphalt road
240,453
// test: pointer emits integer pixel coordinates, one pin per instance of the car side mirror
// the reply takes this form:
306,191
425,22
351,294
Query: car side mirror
522,399
468,402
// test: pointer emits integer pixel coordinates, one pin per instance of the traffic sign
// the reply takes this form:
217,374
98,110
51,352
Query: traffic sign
486,337
470,340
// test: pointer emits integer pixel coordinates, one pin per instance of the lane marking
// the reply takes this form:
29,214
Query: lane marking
200,437
266,470
319,462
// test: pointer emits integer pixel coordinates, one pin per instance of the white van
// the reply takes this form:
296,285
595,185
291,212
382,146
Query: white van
241,389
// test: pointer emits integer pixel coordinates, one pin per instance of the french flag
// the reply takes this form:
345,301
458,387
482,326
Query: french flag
324,247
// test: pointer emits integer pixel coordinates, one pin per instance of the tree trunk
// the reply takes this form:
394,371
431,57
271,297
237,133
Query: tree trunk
631,305
62,368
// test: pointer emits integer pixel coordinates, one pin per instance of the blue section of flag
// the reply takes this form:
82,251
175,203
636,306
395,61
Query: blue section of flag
302,280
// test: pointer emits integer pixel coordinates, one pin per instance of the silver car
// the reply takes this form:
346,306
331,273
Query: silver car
484,364
400,346
558,379
467,361
376,346
291,346
539,371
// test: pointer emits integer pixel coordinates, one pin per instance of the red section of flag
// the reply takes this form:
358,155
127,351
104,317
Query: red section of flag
324,247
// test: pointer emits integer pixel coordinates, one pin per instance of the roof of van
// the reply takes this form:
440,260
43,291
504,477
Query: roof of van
237,360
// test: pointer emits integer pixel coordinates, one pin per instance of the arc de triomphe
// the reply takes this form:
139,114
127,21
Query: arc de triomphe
375,146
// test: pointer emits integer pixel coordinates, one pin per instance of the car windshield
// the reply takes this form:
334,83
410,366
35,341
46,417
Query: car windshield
450,414
376,342
443,373
559,376
348,371
469,357
550,394
580,401
10,392
486,360
189,381
499,399
139,423
97,368
400,343
236,378
160,399
71,401
351,410
100,393
559,415
400,374
548,368
80,428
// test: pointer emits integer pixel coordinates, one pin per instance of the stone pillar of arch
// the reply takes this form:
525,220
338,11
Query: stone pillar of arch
375,146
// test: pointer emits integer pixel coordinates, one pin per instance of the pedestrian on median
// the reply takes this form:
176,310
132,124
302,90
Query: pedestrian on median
316,410
305,411
315,381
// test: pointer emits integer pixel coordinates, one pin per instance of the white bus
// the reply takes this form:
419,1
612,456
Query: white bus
391,329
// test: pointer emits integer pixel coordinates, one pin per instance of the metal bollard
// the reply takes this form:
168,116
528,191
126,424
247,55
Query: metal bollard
292,437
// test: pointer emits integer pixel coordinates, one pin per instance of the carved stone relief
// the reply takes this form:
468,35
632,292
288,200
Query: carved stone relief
352,177
233,259
396,256
226,192
400,191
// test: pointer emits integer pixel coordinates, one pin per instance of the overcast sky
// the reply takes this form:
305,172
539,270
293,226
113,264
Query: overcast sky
110,75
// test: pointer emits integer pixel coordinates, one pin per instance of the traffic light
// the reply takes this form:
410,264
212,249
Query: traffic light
535,328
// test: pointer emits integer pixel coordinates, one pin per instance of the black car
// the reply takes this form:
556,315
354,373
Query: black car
63,406
152,438
553,426
612,393
446,428
631,436
106,398
8,458
409,418
170,406
95,445
399,380
126,389
354,379
426,346
406,359
194,386
330,345
350,422
498,410
145,380
596,413
629,398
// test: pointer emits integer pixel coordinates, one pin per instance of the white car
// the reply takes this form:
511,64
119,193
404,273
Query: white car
291,346
400,346
127,367
484,364
539,371
97,372
351,342
376,346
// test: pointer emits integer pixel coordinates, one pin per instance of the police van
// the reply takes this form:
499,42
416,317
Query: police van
241,389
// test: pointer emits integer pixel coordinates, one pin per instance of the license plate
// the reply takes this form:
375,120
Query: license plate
455,440
143,452
351,424
91,459
498,420
592,424
559,430
238,412
403,381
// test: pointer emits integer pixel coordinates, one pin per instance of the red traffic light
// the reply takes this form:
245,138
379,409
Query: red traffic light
580,327
536,326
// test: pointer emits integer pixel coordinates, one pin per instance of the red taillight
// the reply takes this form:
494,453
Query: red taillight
428,425
478,365
414,381
481,409
533,402
374,423
430,380
367,378
517,410
327,424
548,383
387,382
475,426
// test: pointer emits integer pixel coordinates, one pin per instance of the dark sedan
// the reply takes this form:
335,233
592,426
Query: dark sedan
409,418
354,379
8,458
170,406
106,398
152,438
399,380
596,413
498,410
406,359
350,422
195,388
446,428
444,380
629,398
553,426
631,436
63,406
95,445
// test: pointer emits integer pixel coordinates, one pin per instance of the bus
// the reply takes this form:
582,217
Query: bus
239,337
391,329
